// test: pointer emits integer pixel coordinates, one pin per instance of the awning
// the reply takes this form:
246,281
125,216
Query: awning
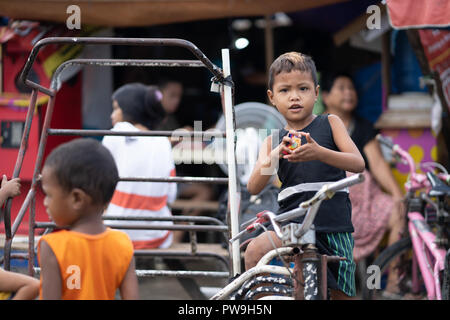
436,45
405,14
134,13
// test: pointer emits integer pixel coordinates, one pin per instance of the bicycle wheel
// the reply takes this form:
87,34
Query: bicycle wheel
395,264
255,285
275,284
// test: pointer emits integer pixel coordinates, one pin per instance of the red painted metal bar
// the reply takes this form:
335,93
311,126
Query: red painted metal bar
17,168
30,197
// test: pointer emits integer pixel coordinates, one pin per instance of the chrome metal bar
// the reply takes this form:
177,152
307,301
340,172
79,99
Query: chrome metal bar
173,218
216,71
44,225
174,274
120,63
148,133
211,180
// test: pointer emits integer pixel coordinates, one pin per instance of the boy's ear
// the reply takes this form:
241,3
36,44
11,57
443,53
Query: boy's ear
270,95
317,91
79,198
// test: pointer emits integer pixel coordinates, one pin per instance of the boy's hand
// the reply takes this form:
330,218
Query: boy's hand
306,152
11,187
283,148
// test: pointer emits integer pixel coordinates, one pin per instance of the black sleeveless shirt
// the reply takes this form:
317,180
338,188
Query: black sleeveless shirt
334,215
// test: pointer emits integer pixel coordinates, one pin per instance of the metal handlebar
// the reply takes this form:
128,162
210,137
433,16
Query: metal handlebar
385,141
310,207
404,155
407,159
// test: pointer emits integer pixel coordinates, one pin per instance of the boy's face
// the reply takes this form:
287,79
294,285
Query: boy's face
294,95
57,201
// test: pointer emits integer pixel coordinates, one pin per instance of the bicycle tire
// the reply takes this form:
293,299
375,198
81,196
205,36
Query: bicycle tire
396,250
260,280
276,290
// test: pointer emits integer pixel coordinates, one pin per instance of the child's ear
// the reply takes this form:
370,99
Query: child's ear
270,96
79,198
317,91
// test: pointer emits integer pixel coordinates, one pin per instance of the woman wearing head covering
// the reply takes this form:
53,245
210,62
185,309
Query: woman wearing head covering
137,107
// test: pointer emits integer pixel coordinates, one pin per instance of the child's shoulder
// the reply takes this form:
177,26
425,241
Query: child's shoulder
120,237
61,235
118,234
111,239
329,119
55,235
325,117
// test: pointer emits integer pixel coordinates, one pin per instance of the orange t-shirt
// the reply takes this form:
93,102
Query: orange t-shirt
92,267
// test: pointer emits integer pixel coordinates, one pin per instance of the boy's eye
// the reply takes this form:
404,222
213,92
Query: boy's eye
304,88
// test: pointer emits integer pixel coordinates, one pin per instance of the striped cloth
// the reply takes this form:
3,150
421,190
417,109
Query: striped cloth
340,275
142,157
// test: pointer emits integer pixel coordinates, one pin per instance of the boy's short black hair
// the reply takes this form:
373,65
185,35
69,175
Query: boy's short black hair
86,164
292,61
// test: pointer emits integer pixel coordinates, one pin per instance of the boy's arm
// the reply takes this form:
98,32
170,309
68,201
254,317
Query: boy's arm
347,158
266,164
50,273
25,287
9,188
129,286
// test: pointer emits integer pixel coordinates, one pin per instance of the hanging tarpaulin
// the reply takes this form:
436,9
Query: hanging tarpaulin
436,45
139,13
405,14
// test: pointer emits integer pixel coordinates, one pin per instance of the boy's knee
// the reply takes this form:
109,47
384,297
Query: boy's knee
257,248
250,255
254,252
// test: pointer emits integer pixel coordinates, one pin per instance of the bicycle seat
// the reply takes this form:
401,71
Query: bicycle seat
438,187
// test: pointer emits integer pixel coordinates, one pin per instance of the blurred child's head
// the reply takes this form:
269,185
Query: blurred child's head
293,88
77,176
138,104
172,91
290,61
338,92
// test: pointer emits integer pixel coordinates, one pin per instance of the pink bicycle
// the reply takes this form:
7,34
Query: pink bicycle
418,264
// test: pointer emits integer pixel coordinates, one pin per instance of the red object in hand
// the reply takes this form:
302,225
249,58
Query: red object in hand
297,143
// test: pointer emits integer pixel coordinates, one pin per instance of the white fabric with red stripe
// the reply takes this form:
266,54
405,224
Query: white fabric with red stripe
142,157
